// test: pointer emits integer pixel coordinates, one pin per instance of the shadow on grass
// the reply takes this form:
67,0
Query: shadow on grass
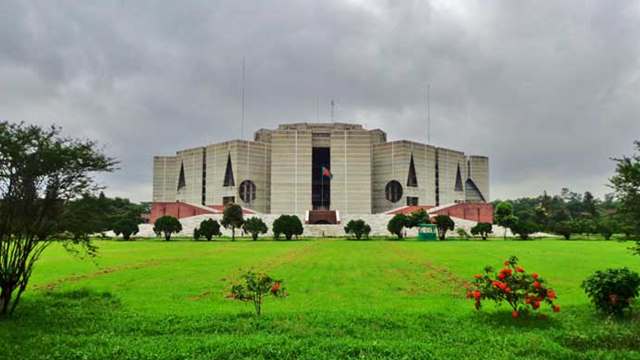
503,319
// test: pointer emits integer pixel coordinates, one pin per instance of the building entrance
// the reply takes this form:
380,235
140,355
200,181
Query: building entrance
320,182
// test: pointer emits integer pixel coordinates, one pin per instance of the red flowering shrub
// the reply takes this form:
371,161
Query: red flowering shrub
254,287
512,284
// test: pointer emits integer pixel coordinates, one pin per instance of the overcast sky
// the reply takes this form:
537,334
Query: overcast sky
549,90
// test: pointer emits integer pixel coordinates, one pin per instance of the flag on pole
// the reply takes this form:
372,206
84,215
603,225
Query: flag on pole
326,172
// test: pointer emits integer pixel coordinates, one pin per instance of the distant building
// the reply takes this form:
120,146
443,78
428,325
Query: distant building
304,168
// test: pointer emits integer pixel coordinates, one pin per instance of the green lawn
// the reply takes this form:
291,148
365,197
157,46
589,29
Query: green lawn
369,299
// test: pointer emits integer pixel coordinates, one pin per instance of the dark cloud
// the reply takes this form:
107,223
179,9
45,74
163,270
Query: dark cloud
548,90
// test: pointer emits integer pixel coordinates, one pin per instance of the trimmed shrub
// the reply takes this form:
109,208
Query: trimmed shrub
397,224
358,228
444,223
232,219
287,225
482,229
612,290
167,225
208,229
255,226
126,227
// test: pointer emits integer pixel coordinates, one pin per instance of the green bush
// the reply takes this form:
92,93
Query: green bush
444,223
358,228
482,229
564,228
208,229
126,227
287,225
254,287
462,233
397,224
612,290
232,218
167,225
416,218
255,226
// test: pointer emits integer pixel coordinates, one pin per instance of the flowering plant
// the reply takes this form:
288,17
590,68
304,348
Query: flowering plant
254,287
524,292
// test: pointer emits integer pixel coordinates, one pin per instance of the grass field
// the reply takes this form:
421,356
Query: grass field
347,299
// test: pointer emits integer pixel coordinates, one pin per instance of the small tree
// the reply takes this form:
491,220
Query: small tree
232,218
254,287
167,225
397,224
288,225
416,218
196,234
564,228
358,228
209,228
504,216
525,225
444,223
126,227
607,226
482,229
255,226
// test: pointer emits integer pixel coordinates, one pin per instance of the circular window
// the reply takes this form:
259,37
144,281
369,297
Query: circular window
247,191
393,191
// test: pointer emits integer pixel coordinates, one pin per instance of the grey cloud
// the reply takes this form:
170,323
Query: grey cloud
548,90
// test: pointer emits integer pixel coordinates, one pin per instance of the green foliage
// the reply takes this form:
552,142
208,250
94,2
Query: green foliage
512,284
208,229
564,228
358,228
42,176
525,225
482,229
167,225
626,184
443,223
607,226
126,227
504,216
196,234
232,218
612,290
397,224
289,225
416,218
254,287
255,226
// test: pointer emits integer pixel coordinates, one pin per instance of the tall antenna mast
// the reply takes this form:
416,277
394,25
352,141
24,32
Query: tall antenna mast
242,120
333,105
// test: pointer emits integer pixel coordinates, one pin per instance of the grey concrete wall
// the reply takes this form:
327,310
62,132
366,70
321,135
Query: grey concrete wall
448,162
291,171
192,161
165,176
351,161
479,168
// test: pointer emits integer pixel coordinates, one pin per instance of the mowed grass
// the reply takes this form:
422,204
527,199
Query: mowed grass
347,299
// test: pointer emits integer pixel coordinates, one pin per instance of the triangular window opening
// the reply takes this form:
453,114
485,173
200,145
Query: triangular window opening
182,183
228,174
459,180
412,179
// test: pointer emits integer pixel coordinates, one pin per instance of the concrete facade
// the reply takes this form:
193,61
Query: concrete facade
370,175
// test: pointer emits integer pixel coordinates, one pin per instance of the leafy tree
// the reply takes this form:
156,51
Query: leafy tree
626,184
564,228
167,225
232,218
358,228
525,225
196,234
482,229
126,227
208,229
416,218
607,226
443,223
504,216
289,225
397,224
589,205
255,226
254,287
41,174
584,225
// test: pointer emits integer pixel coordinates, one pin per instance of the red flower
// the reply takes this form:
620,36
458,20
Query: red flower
507,290
476,294
275,287
507,263
536,285
536,305
551,294
535,276
515,314
477,276
501,276
556,308
519,269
